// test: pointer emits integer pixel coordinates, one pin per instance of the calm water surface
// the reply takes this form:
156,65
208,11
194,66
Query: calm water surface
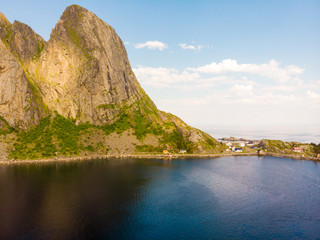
221,198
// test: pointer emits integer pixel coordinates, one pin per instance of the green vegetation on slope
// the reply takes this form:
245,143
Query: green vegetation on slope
148,148
40,47
60,136
176,141
277,146
6,34
35,143
316,148
142,126
53,135
5,128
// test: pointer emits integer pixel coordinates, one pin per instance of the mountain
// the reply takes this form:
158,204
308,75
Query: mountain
80,82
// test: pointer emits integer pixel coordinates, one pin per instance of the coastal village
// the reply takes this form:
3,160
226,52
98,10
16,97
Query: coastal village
261,146
238,146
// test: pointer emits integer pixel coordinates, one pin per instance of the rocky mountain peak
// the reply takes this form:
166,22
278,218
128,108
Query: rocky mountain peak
21,40
26,43
73,20
5,28
3,18
85,72
75,11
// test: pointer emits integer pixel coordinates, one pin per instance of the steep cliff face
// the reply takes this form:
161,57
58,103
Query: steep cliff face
19,104
83,74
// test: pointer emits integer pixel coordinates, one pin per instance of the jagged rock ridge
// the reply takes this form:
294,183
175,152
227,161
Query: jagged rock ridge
82,73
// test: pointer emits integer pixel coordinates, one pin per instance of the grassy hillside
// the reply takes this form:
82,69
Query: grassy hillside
58,136
277,146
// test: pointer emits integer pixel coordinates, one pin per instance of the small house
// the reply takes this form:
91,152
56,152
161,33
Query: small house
165,151
250,144
238,150
183,151
297,149
228,144
242,144
228,150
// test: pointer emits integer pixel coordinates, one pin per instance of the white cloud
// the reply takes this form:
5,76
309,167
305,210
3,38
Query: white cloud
231,99
271,69
280,88
232,92
207,75
310,85
190,47
161,77
313,95
228,86
270,98
242,90
152,45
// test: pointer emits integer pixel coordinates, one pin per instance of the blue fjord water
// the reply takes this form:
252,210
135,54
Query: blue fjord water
220,198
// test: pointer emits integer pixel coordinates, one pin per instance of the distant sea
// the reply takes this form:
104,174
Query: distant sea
298,133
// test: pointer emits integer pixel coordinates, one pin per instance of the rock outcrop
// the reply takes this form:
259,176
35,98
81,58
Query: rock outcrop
21,40
20,104
82,73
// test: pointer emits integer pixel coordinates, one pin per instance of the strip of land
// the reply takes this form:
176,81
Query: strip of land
151,156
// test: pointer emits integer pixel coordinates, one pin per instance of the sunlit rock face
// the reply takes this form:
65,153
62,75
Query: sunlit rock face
84,72
19,104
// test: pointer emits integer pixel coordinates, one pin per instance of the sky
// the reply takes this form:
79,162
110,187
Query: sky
211,62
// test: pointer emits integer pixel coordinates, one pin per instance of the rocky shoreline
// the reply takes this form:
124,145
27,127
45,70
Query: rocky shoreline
149,156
